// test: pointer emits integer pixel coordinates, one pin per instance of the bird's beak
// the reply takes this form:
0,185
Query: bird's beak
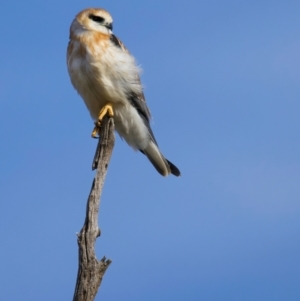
109,26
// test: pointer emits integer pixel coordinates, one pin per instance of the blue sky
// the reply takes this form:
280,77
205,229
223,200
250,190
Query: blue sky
222,80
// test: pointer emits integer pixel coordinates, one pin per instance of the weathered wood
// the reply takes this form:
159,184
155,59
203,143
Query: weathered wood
90,269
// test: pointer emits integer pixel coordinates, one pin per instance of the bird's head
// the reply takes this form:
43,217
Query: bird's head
93,19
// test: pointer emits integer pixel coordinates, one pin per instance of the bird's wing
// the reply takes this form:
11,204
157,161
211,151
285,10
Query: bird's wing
138,101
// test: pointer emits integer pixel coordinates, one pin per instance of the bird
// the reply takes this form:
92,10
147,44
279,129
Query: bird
107,78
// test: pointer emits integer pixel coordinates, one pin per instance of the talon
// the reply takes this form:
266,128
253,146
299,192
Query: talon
107,109
95,134
96,131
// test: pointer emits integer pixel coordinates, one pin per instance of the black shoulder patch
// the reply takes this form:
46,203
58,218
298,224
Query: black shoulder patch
115,40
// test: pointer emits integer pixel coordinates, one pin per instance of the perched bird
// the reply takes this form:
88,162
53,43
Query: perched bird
106,76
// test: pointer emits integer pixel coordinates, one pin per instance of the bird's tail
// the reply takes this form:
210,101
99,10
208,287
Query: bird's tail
162,165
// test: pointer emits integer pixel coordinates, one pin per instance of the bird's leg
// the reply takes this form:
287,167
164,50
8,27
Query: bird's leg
106,110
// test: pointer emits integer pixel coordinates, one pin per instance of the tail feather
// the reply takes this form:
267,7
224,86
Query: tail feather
161,164
174,170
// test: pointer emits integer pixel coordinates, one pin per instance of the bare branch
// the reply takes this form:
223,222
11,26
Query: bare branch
90,269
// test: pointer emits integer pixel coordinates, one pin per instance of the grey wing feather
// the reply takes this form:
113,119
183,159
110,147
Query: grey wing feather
139,103
137,100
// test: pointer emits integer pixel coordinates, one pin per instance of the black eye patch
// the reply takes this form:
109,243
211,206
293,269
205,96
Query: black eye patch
96,18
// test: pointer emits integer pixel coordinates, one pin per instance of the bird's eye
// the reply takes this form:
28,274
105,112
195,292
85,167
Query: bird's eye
96,18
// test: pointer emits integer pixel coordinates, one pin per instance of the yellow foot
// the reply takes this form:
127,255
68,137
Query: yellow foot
106,110
96,131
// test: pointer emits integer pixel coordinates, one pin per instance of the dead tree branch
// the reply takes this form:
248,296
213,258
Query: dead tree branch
90,269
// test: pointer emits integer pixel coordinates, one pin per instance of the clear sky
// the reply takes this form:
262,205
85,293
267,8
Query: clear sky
222,80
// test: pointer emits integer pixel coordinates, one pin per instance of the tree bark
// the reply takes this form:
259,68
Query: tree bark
90,269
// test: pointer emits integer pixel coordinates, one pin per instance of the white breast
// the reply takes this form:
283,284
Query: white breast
105,75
